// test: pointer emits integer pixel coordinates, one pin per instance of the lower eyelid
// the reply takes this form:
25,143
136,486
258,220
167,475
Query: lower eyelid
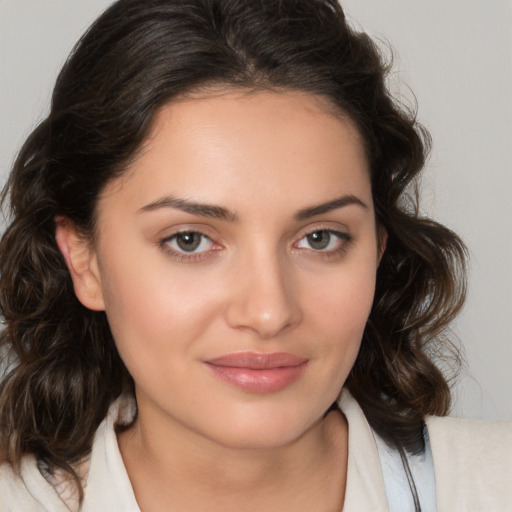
189,257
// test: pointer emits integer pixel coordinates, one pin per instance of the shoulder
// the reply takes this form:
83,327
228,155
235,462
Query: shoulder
488,442
472,463
13,490
27,491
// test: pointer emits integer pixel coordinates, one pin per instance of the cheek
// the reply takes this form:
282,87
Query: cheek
339,311
345,299
154,310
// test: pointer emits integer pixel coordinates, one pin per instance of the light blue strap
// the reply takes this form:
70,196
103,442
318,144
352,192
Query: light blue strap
398,491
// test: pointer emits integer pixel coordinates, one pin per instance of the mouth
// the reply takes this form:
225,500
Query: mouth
258,372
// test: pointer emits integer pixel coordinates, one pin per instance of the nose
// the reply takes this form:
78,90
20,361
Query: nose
264,297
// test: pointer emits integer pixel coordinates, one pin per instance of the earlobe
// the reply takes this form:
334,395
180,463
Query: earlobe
82,263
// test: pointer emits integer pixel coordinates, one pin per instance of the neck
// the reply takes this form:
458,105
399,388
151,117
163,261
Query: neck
195,473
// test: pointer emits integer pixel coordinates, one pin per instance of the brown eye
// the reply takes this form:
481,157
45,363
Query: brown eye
189,241
319,240
323,240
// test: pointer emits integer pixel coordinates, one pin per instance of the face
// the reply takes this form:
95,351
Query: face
236,262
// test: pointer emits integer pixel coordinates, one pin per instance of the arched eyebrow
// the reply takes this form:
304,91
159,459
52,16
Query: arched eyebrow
185,205
221,213
340,202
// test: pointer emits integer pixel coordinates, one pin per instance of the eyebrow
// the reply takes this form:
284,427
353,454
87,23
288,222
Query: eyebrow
221,213
185,205
339,202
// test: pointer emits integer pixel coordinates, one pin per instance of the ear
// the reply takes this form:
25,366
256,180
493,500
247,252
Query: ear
82,263
382,242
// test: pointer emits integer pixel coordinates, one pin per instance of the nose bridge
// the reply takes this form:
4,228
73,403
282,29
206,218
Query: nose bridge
264,299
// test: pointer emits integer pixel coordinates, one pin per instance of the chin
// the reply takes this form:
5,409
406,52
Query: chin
265,429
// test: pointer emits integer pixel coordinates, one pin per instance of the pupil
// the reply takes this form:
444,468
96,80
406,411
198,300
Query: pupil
188,241
319,239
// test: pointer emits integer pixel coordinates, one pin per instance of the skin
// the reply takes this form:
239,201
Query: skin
256,282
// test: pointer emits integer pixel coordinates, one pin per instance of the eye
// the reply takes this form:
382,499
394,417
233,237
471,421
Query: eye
188,242
325,240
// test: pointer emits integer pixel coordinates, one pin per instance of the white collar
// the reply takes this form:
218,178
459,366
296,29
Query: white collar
365,484
108,485
109,488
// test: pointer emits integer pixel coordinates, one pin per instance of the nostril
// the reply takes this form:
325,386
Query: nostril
265,316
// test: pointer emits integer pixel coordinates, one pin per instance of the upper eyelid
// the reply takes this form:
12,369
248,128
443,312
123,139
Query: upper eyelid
340,234
342,230
328,229
184,231
170,232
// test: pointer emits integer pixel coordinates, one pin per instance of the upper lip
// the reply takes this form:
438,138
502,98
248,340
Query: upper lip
258,360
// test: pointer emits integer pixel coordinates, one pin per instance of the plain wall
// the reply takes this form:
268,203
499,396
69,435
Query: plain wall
456,55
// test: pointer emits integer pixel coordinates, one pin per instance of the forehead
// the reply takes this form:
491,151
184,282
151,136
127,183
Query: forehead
237,147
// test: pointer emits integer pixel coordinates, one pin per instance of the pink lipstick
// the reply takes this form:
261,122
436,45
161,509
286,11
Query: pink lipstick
258,372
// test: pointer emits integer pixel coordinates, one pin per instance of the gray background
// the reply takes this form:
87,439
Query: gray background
456,55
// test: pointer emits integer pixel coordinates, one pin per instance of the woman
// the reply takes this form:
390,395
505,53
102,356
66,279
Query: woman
217,293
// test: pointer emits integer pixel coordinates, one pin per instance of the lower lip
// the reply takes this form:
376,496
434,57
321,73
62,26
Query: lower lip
259,381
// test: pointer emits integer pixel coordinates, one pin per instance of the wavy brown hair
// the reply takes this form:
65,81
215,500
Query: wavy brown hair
64,370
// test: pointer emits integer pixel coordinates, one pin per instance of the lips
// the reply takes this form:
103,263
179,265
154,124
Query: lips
258,372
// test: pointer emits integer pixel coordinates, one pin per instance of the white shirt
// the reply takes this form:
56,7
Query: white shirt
472,461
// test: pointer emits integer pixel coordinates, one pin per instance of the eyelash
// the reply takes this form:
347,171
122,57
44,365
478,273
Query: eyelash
344,240
184,255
